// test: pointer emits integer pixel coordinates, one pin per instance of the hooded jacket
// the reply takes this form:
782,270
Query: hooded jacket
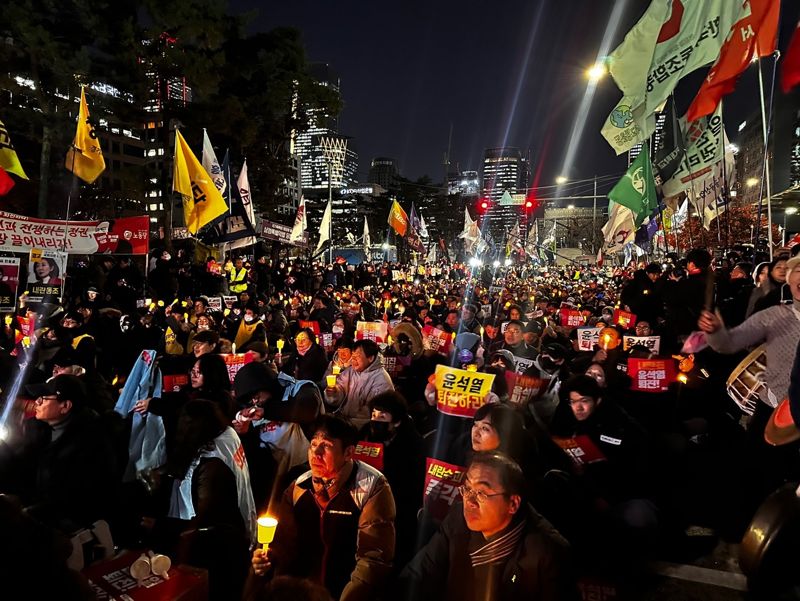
354,390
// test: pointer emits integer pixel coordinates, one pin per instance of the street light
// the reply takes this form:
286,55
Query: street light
561,180
495,263
752,182
475,262
571,207
596,72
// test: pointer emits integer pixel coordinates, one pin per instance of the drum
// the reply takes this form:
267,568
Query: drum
746,383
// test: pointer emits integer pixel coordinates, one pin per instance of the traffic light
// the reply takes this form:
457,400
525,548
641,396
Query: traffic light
531,204
483,206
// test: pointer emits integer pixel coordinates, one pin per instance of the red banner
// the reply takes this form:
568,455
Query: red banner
571,318
434,339
441,486
372,330
312,325
234,362
581,450
651,375
127,235
370,453
624,319
174,382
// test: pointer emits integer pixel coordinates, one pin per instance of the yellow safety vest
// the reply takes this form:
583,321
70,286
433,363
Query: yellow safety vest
238,283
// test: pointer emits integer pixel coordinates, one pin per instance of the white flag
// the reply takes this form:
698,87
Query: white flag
672,39
325,226
211,164
244,194
431,258
423,228
367,242
471,233
620,229
300,223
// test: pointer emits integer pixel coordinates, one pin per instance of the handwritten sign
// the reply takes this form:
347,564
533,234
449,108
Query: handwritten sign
441,486
370,453
460,392
434,339
372,330
653,343
651,375
588,338
571,318
624,319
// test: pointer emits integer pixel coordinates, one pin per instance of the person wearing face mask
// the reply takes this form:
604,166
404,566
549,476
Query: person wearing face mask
310,361
403,464
251,329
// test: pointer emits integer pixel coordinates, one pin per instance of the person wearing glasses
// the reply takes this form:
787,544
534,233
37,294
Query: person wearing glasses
63,468
492,545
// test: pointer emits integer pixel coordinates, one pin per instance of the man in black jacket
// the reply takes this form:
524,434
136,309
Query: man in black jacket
493,546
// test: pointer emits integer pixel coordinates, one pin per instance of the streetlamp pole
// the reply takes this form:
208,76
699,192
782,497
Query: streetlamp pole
594,214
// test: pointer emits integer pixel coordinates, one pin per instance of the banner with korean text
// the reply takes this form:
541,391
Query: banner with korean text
653,343
460,392
370,453
651,375
9,281
127,235
372,330
441,486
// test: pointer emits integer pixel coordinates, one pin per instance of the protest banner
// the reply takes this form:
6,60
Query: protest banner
229,300
370,453
522,364
434,339
588,338
395,365
174,382
441,486
581,450
127,235
372,330
312,325
651,375
653,343
235,362
571,318
328,340
522,389
9,282
215,303
460,392
45,274
625,319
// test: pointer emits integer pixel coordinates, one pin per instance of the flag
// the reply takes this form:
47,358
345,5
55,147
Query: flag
672,39
233,227
599,259
423,228
532,243
708,194
325,226
85,158
9,160
755,34
366,240
6,183
619,230
414,241
671,149
243,183
211,164
202,202
300,223
513,241
637,188
414,219
431,258
398,219
681,215
470,234
790,69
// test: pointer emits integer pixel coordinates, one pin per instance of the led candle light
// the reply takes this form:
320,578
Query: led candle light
336,370
266,530
472,367
431,302
9,319
331,381
280,344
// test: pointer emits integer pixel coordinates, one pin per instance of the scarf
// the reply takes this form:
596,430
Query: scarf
499,549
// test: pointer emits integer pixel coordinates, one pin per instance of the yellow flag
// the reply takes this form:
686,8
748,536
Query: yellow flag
85,158
202,202
8,156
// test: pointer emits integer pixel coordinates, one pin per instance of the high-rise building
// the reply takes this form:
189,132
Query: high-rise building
469,183
661,120
383,171
505,170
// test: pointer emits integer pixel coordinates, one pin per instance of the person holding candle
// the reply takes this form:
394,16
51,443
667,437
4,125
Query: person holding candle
335,522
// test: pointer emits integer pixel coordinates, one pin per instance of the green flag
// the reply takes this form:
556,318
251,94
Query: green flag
637,188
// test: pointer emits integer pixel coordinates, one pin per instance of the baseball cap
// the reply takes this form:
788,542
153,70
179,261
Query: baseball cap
66,387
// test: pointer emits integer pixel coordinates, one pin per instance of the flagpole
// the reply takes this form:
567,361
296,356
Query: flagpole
765,180
69,201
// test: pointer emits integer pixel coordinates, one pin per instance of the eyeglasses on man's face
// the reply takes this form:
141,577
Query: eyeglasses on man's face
477,495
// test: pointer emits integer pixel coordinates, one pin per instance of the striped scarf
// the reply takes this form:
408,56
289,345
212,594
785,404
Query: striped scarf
498,549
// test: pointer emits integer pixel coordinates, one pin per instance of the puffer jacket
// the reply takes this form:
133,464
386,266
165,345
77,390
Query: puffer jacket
354,389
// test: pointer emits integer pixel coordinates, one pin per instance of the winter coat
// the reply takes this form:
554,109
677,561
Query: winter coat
354,389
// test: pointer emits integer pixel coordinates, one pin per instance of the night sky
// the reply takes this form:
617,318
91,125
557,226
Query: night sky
509,72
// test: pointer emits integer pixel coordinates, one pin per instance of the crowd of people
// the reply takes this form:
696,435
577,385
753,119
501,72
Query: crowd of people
179,406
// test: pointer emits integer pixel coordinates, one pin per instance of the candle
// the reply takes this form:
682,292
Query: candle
606,340
481,331
233,348
280,344
266,530
431,302
454,336
337,370
330,381
386,304
472,367
9,319
389,339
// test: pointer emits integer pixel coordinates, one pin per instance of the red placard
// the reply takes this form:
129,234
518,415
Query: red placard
522,389
437,340
372,330
312,325
441,486
234,362
651,375
581,450
174,382
624,319
571,318
370,453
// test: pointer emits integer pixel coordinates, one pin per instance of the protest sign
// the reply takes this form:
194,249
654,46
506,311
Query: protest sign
581,450
370,453
653,343
588,338
625,319
174,382
229,300
441,486
215,303
9,281
395,365
45,273
460,392
571,318
522,389
312,325
651,375
372,330
234,362
434,339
